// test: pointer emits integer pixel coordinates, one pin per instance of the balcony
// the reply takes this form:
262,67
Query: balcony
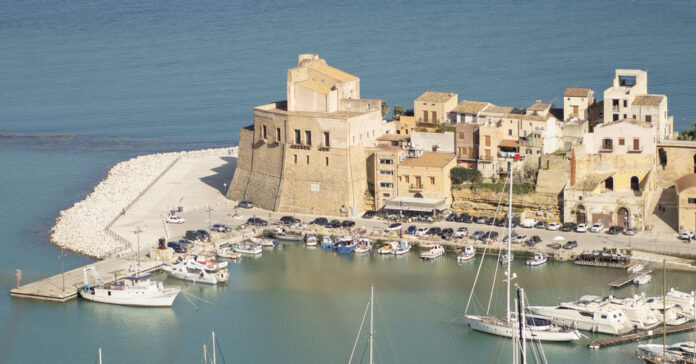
605,149
615,108
324,149
300,146
636,150
415,188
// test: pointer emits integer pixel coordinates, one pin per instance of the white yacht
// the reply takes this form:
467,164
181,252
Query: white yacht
668,311
642,279
635,268
311,240
539,259
433,253
198,269
682,352
137,290
642,316
248,247
467,254
589,314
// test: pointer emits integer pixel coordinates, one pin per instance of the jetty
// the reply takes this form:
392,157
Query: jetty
640,336
63,287
622,281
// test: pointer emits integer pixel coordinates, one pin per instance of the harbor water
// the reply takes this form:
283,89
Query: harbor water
88,84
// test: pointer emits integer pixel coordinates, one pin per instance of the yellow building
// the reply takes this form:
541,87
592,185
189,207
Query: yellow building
434,107
427,176
686,190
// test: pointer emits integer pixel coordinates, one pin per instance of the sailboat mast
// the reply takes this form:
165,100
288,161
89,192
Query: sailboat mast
521,323
214,361
509,262
372,300
100,357
664,308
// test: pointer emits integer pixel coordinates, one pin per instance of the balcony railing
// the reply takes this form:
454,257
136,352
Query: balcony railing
300,146
415,188
605,149
636,150
615,108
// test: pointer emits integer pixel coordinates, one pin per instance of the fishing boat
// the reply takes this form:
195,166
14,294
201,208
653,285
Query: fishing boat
228,253
388,248
403,247
345,244
327,242
247,247
539,259
198,269
433,253
136,290
467,254
505,260
311,240
510,326
642,279
364,246
281,234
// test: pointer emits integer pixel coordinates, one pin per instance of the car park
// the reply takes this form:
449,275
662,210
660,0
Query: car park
246,204
554,226
581,228
568,226
477,234
255,221
321,221
540,225
570,244
528,223
421,231
369,214
347,223
687,235
411,229
178,247
630,231
221,228
597,227
615,230
333,224
393,227
173,219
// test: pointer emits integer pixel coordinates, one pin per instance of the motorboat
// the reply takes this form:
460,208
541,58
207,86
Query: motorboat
635,268
248,247
642,316
433,253
539,259
364,246
428,244
228,253
281,234
198,269
265,243
642,279
667,310
388,248
467,254
588,314
685,301
345,244
403,247
311,240
505,260
327,242
136,290
683,352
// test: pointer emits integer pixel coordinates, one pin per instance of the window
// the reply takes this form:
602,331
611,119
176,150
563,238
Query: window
648,118
386,195
615,103
388,173
461,135
692,200
487,154
326,139
625,103
326,159
625,116
298,139
636,144
278,135
386,161
432,180
435,148
621,141
425,116
406,179
635,183
418,181
295,158
308,137
386,185
264,131
434,114
615,117
609,183
488,140
307,159
509,131
607,144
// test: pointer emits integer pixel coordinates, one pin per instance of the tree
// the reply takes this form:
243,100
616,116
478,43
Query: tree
688,134
385,109
397,112
459,175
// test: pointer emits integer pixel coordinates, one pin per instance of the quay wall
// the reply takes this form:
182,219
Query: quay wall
84,227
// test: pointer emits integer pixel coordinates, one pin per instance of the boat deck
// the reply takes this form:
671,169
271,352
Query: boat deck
619,282
644,335
55,289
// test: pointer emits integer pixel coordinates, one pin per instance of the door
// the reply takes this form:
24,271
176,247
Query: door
636,144
434,117
425,116
622,217
603,218
575,111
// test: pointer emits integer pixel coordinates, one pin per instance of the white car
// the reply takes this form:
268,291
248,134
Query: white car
597,227
553,226
173,219
581,228
421,231
461,232
687,235
529,223
393,227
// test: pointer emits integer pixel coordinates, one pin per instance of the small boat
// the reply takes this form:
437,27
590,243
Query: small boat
327,242
345,244
136,290
364,246
539,259
504,258
388,248
198,269
402,248
227,253
467,254
642,279
311,240
248,247
635,268
265,243
433,253
428,244
281,234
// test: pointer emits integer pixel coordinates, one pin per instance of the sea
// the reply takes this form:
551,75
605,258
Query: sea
86,84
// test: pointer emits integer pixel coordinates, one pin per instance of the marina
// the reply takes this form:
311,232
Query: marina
639,336
620,282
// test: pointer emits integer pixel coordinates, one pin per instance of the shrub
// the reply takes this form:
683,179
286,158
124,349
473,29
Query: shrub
460,175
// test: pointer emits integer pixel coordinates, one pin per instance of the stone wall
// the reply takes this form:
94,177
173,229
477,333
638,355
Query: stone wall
680,158
484,202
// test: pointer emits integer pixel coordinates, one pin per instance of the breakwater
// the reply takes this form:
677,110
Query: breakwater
85,227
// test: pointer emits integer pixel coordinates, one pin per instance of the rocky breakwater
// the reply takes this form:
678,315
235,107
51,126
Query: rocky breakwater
83,228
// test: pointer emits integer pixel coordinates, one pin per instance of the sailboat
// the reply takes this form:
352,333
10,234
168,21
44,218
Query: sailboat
536,328
370,305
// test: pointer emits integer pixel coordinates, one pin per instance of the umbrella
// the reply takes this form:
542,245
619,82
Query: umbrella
558,238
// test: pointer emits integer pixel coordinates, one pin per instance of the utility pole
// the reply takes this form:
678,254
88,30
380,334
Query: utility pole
137,232
209,210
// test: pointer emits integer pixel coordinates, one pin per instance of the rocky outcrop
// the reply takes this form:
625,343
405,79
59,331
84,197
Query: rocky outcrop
485,202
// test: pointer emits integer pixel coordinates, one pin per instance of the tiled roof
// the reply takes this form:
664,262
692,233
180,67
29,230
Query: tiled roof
436,96
685,182
539,106
495,109
429,159
470,107
648,100
332,72
577,92
509,143
314,86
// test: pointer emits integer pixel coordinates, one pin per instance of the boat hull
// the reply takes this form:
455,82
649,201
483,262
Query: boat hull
501,328
194,277
163,299
582,323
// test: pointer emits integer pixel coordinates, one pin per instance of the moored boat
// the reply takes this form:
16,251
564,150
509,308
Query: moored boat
433,253
282,234
642,279
327,242
505,260
634,268
403,247
311,240
539,259
388,248
364,246
467,254
136,290
198,270
345,244
228,253
247,247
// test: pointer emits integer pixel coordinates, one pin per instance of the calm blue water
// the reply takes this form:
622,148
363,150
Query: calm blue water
85,84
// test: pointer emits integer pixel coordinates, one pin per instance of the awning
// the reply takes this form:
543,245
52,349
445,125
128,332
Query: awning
415,204
509,143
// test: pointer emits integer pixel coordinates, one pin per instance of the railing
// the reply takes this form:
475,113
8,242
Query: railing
606,150
416,188
615,108
300,146
636,150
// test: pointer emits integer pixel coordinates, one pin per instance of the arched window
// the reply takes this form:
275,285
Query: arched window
635,183
418,195
609,184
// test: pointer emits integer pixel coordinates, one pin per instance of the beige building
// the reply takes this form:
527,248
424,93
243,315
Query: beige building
307,154
427,176
577,103
434,107
467,144
468,112
686,192
618,98
653,109
384,162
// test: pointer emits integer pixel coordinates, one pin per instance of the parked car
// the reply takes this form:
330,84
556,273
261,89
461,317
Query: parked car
394,227
421,231
347,223
481,220
630,231
554,226
411,229
490,221
204,235
483,237
289,220
178,247
187,243
447,233
321,221
534,240
246,204
369,214
173,219
461,218
597,227
581,228
687,235
528,223
221,228
333,224
493,236
519,239
570,244
615,230
477,234
568,226
433,231
451,217
500,222
461,232
540,225
255,221
192,235
468,219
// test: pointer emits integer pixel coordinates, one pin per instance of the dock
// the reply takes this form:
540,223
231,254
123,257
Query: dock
619,282
63,287
640,336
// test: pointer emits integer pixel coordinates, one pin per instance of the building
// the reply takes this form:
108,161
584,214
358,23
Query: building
686,192
652,109
427,176
307,154
467,144
618,98
435,142
468,112
384,163
434,107
577,103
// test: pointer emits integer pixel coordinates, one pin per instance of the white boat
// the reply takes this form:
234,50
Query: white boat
642,316
667,311
467,254
635,268
402,248
539,259
247,247
282,234
433,253
136,290
587,314
683,352
642,279
227,253
265,243
327,242
388,248
504,258
311,240
428,244
198,270
364,246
